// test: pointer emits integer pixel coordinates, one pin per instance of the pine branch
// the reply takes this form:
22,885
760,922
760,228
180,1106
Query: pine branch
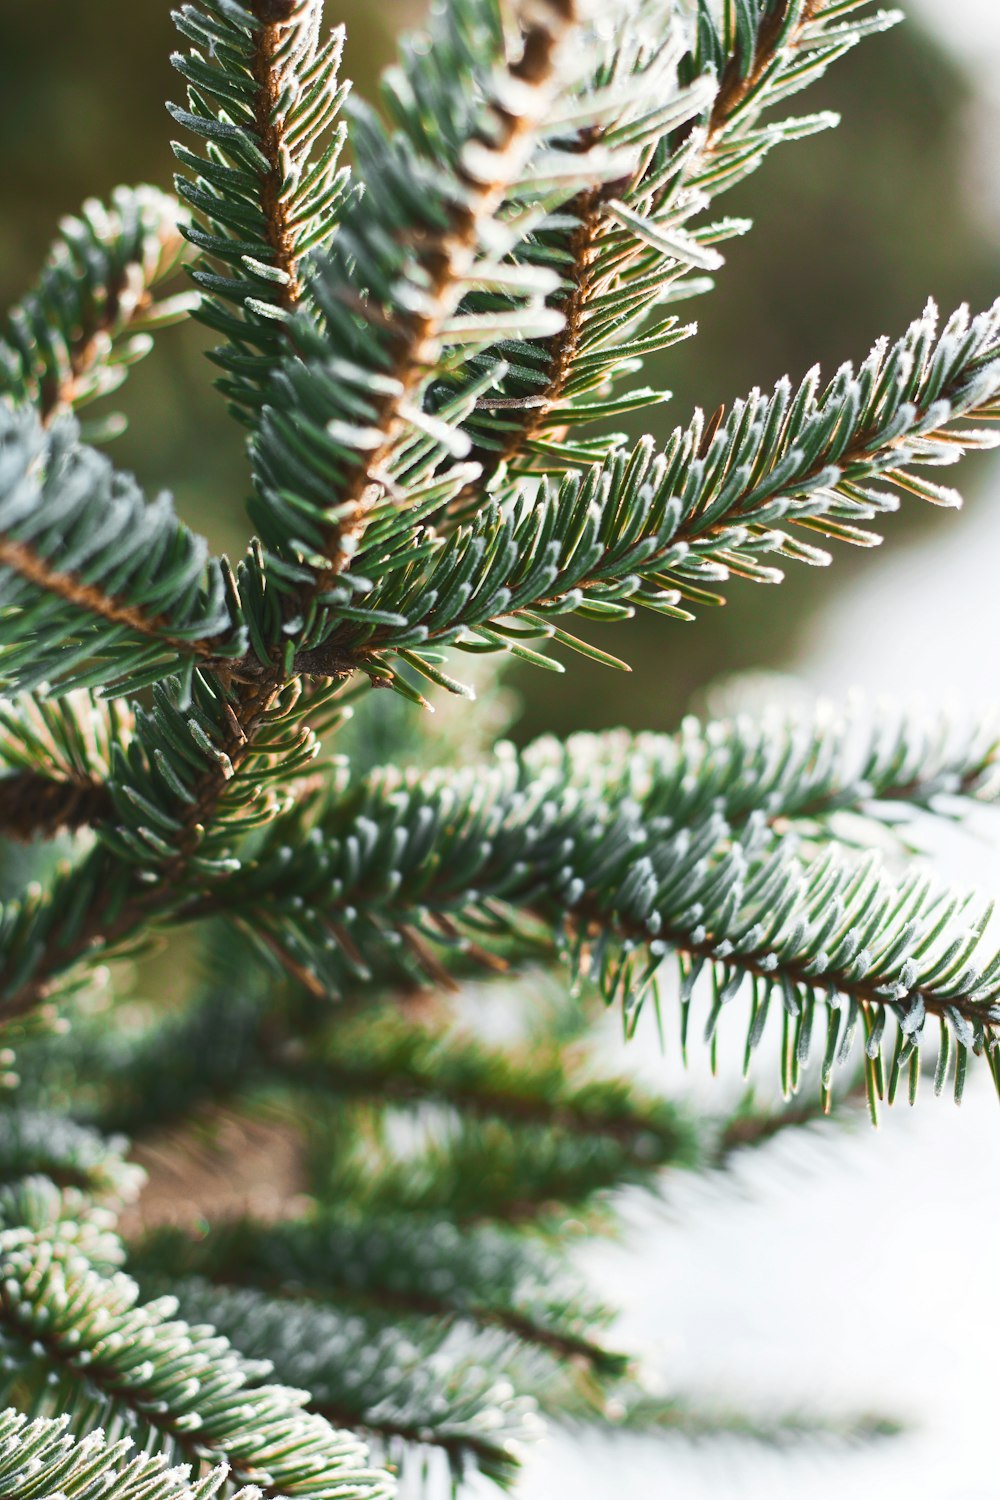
662,529
382,1057
75,1340
407,1388
348,426
627,248
33,1143
423,1268
90,571
480,1171
75,335
264,97
628,884
41,1458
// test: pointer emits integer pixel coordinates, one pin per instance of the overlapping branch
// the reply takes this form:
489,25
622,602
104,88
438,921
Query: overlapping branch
628,882
418,1267
95,582
663,529
626,249
41,1457
433,1391
349,425
183,1389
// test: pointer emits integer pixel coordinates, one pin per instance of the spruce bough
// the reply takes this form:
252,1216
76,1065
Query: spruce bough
425,349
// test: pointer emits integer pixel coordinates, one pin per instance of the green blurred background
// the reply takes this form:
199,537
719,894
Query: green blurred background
854,229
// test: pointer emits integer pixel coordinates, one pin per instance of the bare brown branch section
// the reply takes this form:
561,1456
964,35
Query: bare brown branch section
35,806
735,86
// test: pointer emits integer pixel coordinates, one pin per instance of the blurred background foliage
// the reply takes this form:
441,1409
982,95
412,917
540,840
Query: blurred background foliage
853,230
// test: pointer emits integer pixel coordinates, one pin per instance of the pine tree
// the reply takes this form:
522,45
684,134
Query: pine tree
428,348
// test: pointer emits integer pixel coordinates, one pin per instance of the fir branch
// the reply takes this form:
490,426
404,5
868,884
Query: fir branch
661,529
624,249
33,1143
197,777
808,775
81,1341
179,799
264,96
347,426
89,569
74,336
382,1057
230,764
142,1079
67,1217
234,734
877,766
522,212
424,1268
634,1411
629,884
477,1171
754,1123
405,1386
42,1458
56,759
33,806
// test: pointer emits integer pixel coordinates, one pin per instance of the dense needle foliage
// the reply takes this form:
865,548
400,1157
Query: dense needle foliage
431,311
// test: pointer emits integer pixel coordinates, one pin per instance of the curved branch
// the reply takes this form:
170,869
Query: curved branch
95,291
